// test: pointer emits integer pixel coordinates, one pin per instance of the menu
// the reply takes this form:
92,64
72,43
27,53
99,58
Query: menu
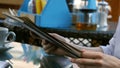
27,23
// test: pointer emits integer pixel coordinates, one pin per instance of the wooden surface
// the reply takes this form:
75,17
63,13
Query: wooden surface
115,6
6,4
15,2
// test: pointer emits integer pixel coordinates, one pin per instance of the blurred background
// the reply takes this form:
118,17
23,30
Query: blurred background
14,4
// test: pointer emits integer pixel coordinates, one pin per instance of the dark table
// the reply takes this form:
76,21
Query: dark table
79,37
86,37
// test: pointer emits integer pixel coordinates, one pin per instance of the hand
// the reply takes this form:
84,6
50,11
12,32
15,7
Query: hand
96,60
52,49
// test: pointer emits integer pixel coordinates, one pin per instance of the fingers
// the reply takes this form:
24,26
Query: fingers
92,55
47,46
90,59
85,61
44,42
50,50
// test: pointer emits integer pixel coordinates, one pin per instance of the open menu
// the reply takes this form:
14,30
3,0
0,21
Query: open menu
27,23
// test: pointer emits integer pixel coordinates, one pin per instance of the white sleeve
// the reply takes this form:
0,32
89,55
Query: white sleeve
109,49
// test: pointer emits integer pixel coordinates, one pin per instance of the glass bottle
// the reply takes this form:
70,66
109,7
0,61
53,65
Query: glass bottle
102,14
30,6
75,10
86,19
38,6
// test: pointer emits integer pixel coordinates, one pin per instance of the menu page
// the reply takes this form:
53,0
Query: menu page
27,23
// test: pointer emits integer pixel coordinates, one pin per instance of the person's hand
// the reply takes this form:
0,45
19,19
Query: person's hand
52,49
96,60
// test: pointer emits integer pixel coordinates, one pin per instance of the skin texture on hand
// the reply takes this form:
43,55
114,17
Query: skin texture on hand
92,57
52,49
96,60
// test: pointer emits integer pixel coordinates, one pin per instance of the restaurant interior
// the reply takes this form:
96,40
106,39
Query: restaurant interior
89,23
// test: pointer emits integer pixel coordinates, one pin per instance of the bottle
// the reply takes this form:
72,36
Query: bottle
30,6
86,16
102,14
75,11
38,6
